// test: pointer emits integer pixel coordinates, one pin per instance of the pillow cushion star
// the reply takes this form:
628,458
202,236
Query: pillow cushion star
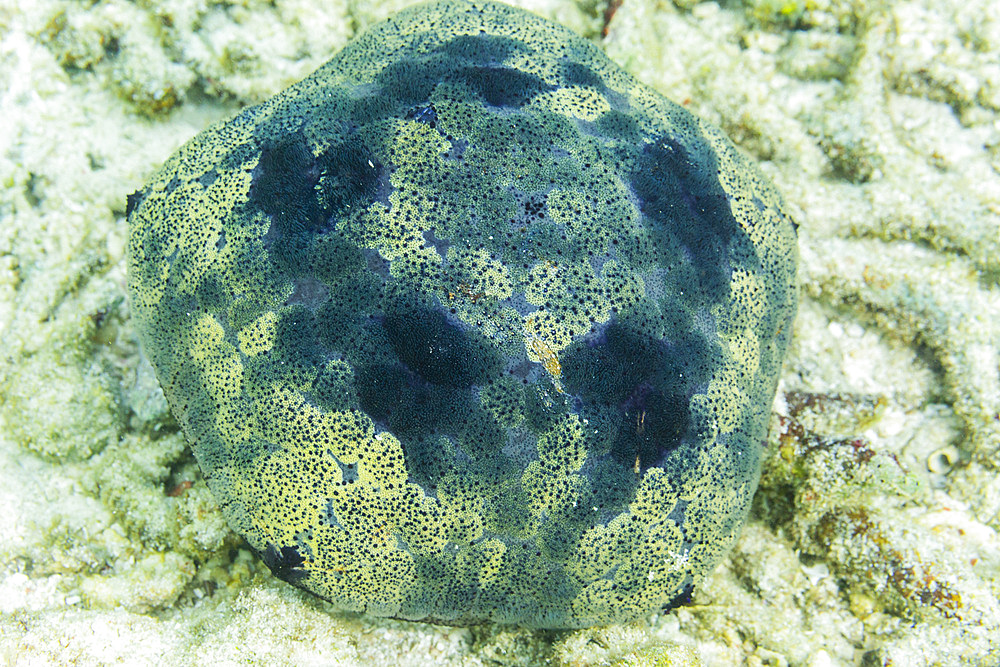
470,325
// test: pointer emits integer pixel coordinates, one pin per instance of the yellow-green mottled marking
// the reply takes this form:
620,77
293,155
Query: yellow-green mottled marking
470,325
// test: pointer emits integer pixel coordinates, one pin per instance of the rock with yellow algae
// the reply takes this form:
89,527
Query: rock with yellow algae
470,325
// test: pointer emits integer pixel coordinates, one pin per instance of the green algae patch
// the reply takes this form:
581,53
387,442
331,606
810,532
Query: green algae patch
469,325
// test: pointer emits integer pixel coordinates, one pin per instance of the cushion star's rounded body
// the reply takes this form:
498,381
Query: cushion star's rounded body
470,325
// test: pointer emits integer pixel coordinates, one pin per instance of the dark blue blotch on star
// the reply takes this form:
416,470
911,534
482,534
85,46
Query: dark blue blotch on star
645,381
303,194
679,191
285,563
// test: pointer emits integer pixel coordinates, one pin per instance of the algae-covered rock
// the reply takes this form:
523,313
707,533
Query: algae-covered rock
470,325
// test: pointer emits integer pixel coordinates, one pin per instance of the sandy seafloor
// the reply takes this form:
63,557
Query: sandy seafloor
873,539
